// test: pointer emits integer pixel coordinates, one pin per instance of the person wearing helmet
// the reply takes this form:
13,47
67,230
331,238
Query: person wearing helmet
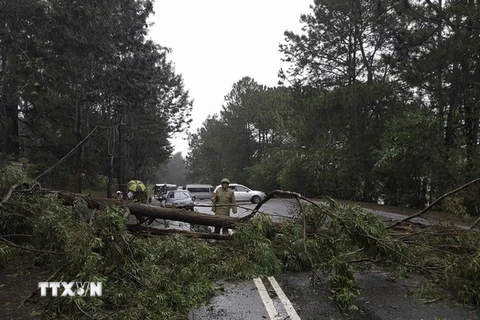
223,200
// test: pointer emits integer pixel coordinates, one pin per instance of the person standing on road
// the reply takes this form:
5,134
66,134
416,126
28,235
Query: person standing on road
223,200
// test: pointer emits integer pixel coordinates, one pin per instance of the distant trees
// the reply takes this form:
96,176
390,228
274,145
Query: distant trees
246,133
67,69
173,171
380,100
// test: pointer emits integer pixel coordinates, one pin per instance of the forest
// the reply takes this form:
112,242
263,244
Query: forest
380,100
85,81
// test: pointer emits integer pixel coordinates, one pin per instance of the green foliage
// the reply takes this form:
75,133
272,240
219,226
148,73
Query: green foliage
341,279
72,68
243,140
404,164
454,206
378,102
168,276
470,292
5,254
253,254
11,175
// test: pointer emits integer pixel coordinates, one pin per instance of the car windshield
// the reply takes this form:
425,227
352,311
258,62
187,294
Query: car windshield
178,195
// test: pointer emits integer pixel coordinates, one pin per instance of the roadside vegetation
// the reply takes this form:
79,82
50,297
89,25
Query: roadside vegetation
164,277
378,101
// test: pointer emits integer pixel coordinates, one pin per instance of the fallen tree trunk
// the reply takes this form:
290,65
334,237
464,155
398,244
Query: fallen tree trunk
142,230
149,211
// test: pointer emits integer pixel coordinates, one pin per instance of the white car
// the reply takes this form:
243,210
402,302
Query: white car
243,193
179,199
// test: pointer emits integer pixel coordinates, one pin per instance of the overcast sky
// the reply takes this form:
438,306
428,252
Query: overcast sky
217,42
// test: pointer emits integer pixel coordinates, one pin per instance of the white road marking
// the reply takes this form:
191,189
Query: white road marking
283,298
267,301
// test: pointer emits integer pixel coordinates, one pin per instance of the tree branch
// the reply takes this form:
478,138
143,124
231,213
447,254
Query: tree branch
474,224
14,245
433,203
69,154
279,193
38,289
9,194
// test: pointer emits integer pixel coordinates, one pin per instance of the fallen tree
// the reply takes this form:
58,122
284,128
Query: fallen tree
150,211
148,231
82,238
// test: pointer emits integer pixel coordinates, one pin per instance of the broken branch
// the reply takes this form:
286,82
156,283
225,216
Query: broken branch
433,203
9,194
13,245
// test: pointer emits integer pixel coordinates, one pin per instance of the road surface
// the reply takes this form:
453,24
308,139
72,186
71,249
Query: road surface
279,209
294,297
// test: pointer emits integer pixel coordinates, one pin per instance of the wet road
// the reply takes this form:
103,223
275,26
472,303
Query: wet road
279,209
294,297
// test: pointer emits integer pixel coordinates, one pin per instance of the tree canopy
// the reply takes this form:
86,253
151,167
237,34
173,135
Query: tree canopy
379,101
86,75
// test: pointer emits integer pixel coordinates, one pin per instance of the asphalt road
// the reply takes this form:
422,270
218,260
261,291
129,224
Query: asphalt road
294,297
279,209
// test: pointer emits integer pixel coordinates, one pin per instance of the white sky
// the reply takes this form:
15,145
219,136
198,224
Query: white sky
217,42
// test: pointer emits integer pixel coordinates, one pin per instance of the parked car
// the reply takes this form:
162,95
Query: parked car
200,191
161,189
243,193
179,199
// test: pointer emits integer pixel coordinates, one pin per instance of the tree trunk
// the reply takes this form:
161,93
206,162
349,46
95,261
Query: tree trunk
121,182
9,101
111,152
149,211
470,105
142,230
78,170
471,137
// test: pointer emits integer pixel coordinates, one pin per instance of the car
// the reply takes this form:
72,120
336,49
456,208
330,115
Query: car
182,199
200,191
243,193
161,189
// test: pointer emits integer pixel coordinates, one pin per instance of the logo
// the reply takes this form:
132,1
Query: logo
71,289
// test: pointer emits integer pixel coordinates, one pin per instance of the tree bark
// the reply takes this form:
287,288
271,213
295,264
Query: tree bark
161,232
120,177
9,100
78,170
149,211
